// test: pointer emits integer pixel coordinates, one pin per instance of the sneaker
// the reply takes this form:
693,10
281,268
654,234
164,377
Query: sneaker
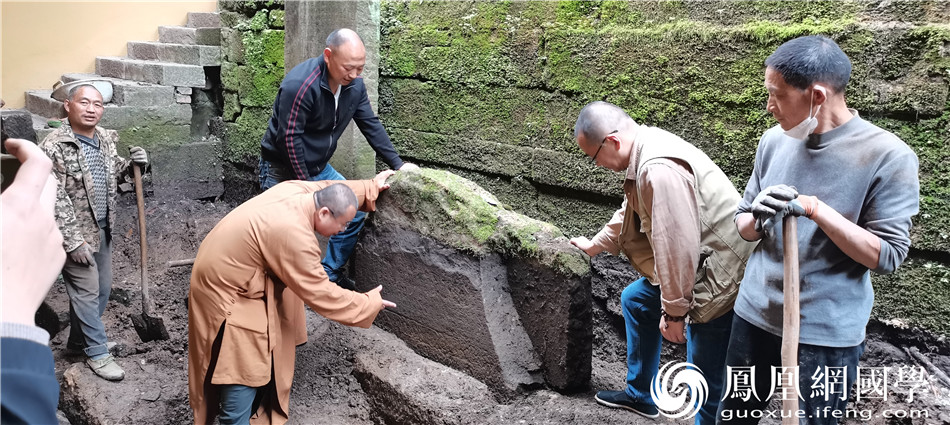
620,400
74,351
346,283
106,368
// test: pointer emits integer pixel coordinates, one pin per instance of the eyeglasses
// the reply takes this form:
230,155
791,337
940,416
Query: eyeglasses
593,159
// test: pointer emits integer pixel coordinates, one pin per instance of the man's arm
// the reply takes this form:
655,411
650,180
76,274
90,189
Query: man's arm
295,260
884,240
667,192
64,210
745,224
366,191
369,124
606,238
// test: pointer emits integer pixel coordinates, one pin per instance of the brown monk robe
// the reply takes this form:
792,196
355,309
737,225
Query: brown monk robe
252,275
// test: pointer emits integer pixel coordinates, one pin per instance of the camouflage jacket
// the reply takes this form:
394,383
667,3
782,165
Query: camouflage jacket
75,194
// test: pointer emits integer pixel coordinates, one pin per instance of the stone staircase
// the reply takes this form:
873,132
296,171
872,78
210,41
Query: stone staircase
153,89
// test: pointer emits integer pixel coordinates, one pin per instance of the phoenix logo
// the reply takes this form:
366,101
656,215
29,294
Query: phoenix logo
679,390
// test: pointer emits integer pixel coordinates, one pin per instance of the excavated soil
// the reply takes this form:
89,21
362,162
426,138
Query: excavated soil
325,387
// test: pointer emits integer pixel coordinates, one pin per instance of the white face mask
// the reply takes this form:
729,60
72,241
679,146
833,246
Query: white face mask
808,125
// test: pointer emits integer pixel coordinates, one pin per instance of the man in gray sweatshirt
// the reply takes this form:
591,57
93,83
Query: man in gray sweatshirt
855,186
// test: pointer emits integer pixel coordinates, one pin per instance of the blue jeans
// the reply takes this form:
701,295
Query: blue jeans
341,245
88,288
705,347
237,401
750,346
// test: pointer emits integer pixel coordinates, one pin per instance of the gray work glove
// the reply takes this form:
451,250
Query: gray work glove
138,156
82,255
802,206
769,202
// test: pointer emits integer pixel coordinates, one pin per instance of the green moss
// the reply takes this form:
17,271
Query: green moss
264,49
153,136
243,136
918,295
277,19
232,108
459,213
259,80
450,207
233,76
256,23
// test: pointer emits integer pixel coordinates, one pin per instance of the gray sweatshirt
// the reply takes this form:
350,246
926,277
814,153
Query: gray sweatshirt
866,174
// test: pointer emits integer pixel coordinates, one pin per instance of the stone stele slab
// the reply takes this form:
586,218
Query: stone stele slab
483,289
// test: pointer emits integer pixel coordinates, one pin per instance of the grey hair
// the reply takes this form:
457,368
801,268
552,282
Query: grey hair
338,198
74,90
342,36
599,118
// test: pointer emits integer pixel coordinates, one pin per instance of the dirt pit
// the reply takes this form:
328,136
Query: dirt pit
342,373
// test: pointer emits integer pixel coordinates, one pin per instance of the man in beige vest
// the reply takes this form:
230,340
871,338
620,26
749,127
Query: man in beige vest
675,226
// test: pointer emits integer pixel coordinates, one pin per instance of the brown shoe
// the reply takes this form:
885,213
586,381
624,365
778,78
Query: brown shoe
106,368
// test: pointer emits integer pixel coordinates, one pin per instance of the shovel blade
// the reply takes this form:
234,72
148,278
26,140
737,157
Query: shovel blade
149,328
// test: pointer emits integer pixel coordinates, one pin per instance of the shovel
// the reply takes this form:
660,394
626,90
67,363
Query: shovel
791,313
148,327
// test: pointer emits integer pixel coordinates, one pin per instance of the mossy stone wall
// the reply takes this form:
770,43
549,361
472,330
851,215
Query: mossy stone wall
252,67
490,91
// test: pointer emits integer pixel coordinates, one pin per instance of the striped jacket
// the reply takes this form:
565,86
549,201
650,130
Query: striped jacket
305,125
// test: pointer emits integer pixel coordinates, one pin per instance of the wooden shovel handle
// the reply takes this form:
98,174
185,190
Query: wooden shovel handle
791,313
140,198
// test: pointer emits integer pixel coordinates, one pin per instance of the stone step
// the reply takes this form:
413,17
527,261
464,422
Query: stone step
132,93
114,116
186,35
41,128
39,103
163,73
188,54
203,20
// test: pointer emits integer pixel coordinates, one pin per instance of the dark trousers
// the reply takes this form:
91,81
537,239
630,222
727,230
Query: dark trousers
705,347
751,347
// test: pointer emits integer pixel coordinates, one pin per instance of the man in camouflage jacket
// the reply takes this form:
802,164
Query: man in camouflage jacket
86,166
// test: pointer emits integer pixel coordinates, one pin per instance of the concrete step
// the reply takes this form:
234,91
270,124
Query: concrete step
132,93
188,54
41,128
203,20
39,103
186,35
163,73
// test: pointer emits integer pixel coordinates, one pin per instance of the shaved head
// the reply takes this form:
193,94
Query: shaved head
342,36
599,118
338,198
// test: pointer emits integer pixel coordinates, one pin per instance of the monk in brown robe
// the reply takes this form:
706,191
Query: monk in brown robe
252,275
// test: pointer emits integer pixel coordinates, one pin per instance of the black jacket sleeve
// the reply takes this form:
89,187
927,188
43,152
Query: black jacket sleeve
375,134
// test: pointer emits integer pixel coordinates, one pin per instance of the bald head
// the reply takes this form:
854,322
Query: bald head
343,36
338,198
599,118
